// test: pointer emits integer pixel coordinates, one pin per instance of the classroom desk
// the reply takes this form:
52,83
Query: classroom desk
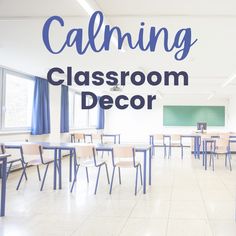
199,142
196,138
145,149
151,142
212,142
3,166
196,142
116,137
205,142
142,148
58,147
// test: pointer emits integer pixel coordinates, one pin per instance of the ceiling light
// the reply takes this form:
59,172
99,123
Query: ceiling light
87,7
90,10
211,95
228,81
159,94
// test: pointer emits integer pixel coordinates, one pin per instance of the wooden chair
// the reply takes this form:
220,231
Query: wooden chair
209,145
224,135
96,138
85,156
79,137
32,155
124,157
176,141
221,148
10,160
158,141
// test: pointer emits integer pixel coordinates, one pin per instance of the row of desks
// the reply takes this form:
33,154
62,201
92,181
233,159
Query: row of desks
115,137
59,147
212,142
196,141
146,150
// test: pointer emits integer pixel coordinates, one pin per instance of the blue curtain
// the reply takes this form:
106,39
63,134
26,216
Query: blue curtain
64,109
101,117
41,112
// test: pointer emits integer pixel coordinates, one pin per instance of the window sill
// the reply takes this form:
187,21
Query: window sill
10,132
80,129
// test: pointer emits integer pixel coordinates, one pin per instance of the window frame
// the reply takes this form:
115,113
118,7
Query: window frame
3,74
88,126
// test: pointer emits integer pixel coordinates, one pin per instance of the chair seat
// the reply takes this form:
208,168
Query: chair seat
126,164
159,143
108,142
90,163
12,159
220,150
175,144
39,162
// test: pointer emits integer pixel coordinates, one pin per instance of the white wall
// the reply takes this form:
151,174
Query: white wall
138,125
232,113
133,125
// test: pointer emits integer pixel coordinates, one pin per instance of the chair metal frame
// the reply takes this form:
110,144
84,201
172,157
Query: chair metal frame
160,137
173,138
226,152
96,164
26,163
78,137
135,165
11,162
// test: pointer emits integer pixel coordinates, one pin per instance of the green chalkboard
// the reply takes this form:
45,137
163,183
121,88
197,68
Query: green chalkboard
191,115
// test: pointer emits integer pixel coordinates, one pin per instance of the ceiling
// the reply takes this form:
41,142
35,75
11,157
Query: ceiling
210,63
32,8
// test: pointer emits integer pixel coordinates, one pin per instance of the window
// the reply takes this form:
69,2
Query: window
16,100
79,118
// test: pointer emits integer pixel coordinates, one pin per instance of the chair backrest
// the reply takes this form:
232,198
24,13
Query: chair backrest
210,145
175,137
32,151
96,138
78,137
204,136
123,151
85,152
213,134
224,135
222,145
2,148
158,136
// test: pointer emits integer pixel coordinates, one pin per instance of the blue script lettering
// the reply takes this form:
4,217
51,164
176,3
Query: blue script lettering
181,44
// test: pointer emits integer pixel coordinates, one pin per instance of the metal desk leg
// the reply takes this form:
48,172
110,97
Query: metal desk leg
150,166
3,191
205,155
151,142
144,172
169,154
70,178
74,154
55,170
198,147
59,171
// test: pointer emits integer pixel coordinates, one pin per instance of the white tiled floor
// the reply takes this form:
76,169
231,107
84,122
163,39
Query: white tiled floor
183,200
